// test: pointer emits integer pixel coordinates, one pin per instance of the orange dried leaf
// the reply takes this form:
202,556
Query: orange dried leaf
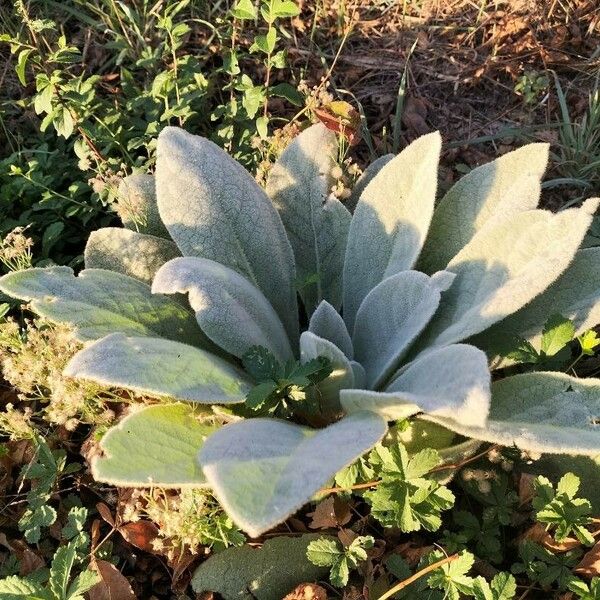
140,534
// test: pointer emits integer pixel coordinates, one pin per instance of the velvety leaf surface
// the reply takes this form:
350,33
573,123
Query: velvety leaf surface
505,266
263,470
214,209
360,375
128,252
327,323
160,367
506,186
266,573
341,377
389,319
366,177
541,412
452,381
157,445
233,313
137,207
574,295
316,223
99,302
391,220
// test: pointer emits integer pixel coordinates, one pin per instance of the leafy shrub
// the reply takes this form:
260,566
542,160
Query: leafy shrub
491,265
95,83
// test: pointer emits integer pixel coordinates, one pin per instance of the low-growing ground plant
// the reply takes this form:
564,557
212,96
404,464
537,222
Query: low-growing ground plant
405,308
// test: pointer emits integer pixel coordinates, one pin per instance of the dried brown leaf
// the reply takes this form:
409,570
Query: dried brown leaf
526,488
105,513
113,584
537,533
331,512
140,534
590,563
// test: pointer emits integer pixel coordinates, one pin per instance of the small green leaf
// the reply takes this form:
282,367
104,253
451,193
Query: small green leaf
588,341
81,584
63,122
262,124
60,570
558,332
324,552
244,9
569,485
504,586
287,91
260,363
22,64
285,8
13,588
75,522
524,353
452,577
259,394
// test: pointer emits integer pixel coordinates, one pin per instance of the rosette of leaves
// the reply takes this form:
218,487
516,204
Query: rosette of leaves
408,302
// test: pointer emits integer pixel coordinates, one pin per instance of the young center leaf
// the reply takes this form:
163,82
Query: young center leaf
327,323
453,382
327,392
389,319
263,470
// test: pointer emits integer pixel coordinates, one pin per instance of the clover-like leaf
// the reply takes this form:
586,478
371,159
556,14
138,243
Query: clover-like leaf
317,223
541,412
263,470
233,313
214,209
505,266
389,319
128,252
452,381
506,186
327,323
391,220
160,367
157,445
99,302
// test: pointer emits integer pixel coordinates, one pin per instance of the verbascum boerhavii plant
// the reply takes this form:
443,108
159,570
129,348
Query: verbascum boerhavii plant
410,303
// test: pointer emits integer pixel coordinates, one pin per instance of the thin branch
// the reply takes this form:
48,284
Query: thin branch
400,586
376,482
